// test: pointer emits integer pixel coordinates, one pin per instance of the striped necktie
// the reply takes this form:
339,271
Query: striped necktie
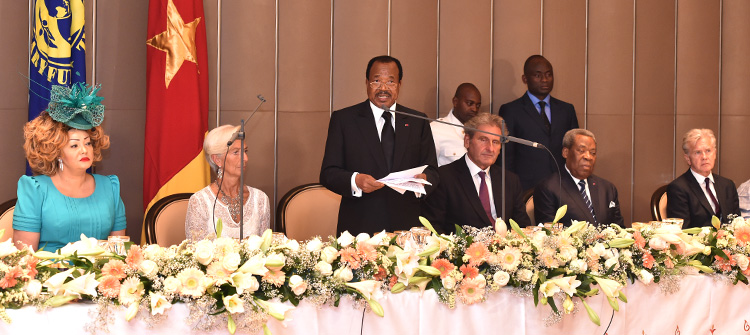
582,185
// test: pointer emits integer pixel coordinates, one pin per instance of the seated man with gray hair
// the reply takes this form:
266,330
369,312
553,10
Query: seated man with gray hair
698,194
471,187
589,198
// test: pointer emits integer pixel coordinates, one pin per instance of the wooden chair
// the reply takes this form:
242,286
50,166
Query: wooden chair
528,199
165,220
308,210
659,204
6,218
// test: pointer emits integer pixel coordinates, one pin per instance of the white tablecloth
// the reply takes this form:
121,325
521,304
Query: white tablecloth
702,304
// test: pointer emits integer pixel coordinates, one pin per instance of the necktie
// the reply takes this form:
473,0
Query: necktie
388,140
582,185
543,114
713,198
484,196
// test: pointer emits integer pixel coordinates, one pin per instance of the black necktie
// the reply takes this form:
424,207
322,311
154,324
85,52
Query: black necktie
388,140
713,198
543,114
586,199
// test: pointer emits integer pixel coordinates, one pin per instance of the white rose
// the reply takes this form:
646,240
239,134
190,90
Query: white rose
578,266
152,251
7,248
742,261
149,268
599,249
524,274
707,250
204,252
297,285
33,288
657,243
611,262
329,254
449,283
344,274
501,278
646,277
345,239
324,268
292,245
231,261
480,280
567,253
314,245
172,285
363,237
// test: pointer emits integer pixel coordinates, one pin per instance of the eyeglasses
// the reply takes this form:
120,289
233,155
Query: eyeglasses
377,83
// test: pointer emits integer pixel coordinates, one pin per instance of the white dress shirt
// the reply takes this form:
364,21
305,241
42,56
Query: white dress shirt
474,171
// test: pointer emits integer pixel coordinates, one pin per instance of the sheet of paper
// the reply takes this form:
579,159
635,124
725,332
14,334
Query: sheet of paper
402,181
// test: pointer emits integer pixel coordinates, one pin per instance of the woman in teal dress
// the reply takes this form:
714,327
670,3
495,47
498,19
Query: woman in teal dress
63,201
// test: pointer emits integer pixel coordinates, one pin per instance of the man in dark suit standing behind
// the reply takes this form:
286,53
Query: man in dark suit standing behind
589,198
525,119
698,194
366,143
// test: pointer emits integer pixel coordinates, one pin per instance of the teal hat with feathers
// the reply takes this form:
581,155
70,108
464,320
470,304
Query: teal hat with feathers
77,106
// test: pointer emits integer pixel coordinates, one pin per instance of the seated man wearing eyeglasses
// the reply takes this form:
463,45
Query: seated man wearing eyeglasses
365,143
538,117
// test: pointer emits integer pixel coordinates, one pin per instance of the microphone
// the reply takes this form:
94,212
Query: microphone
240,135
504,138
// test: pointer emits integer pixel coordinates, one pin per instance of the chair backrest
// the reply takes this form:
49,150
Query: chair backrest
165,220
528,199
307,211
6,218
659,204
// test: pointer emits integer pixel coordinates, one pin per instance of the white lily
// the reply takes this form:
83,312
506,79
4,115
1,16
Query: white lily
370,289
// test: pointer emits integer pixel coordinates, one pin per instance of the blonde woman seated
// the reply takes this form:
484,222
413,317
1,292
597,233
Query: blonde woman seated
225,161
63,201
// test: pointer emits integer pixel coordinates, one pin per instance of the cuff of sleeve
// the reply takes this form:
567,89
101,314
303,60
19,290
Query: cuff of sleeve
356,191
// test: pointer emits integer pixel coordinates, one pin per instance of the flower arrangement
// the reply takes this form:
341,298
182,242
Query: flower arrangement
241,285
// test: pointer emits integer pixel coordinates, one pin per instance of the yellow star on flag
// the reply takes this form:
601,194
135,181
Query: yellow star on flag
178,41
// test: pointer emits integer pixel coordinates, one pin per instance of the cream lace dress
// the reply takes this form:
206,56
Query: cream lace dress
198,224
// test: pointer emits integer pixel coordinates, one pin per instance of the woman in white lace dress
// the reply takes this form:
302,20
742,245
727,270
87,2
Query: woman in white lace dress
201,217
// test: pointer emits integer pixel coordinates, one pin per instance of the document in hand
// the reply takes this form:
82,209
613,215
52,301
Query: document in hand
403,181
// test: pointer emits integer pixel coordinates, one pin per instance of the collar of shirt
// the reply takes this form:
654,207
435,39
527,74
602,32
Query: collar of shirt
701,179
576,180
535,100
377,112
474,169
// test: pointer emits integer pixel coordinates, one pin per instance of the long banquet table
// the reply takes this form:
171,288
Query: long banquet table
703,305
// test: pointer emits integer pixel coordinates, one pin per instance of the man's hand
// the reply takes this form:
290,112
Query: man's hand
421,176
367,183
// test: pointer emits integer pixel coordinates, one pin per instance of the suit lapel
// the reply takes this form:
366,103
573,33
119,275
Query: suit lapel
467,185
575,195
368,129
531,110
698,192
403,131
497,192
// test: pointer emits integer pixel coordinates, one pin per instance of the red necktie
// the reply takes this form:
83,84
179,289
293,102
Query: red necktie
484,196
713,198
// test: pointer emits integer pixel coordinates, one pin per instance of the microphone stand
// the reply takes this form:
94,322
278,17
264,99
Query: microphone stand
240,135
502,168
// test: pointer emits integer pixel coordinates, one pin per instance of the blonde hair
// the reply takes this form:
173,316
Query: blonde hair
44,139
484,119
216,142
694,135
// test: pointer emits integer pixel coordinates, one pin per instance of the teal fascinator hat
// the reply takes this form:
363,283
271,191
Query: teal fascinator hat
77,106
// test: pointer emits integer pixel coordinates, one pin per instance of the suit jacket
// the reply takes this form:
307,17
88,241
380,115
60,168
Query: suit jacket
523,121
455,200
685,200
548,198
353,145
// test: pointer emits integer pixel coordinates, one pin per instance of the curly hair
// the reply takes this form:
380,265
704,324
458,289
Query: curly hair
44,139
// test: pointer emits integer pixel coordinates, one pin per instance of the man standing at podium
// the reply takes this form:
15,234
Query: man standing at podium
365,143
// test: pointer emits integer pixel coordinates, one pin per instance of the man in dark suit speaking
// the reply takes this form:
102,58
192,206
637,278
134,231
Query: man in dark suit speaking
537,117
589,198
470,189
698,194
366,143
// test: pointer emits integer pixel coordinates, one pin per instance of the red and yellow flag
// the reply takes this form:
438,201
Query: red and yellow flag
176,100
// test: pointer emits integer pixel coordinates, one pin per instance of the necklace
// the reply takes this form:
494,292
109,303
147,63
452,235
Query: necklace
234,204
